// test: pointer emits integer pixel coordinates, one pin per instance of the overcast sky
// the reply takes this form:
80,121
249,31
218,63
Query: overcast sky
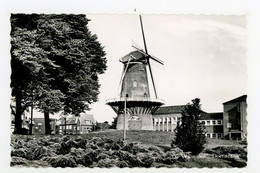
204,56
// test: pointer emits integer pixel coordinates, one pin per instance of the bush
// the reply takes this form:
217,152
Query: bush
18,161
21,152
190,133
62,161
102,156
146,160
106,163
122,164
36,153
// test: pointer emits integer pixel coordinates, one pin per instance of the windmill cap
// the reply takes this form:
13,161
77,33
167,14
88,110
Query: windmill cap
132,56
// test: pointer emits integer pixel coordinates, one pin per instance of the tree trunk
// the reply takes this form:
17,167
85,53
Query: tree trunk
31,124
18,114
47,123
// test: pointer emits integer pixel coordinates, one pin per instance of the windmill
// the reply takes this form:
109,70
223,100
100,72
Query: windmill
134,89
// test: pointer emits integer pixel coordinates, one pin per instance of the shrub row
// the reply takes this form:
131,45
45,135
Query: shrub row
70,151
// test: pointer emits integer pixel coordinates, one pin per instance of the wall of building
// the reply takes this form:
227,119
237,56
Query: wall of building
135,82
165,122
240,113
143,123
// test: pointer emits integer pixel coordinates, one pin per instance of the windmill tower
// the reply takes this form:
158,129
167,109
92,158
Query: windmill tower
134,106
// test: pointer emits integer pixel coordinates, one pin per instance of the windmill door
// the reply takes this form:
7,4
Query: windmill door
135,124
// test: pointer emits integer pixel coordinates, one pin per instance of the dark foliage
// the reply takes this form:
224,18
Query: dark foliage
55,63
190,133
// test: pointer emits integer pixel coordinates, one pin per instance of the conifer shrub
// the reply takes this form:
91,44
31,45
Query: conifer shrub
190,133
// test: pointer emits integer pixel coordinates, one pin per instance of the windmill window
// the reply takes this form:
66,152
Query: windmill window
134,84
145,95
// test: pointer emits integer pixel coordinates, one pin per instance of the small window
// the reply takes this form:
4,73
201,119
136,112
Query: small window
178,118
214,122
208,135
134,84
36,127
219,122
39,124
208,122
203,122
213,135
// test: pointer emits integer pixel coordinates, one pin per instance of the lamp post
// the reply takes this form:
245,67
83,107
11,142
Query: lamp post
124,138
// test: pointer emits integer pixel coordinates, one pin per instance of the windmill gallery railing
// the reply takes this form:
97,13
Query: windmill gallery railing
118,99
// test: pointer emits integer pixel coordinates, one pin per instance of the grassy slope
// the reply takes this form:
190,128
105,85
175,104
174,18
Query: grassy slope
162,138
144,137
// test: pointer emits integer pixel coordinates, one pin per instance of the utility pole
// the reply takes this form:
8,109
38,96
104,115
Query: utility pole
65,125
124,138
31,123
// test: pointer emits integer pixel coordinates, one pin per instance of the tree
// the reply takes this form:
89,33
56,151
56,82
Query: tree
60,56
114,123
28,62
190,133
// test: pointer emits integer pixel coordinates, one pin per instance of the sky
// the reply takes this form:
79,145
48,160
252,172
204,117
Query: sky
204,57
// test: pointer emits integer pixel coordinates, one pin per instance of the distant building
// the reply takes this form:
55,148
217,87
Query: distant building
77,124
25,124
102,126
213,123
39,126
231,124
166,118
235,115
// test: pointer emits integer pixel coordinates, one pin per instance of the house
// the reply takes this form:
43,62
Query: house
166,118
87,123
234,121
25,124
103,126
39,126
213,123
84,123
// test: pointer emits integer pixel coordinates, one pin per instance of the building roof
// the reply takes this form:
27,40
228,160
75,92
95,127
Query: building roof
86,119
169,109
211,116
83,118
238,99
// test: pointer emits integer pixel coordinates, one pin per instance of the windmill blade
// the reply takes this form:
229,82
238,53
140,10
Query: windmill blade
150,56
148,62
145,48
136,45
123,75
157,59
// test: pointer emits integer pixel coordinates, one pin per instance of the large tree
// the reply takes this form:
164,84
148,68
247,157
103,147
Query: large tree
70,60
190,133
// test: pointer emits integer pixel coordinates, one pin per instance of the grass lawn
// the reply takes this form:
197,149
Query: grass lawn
158,138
